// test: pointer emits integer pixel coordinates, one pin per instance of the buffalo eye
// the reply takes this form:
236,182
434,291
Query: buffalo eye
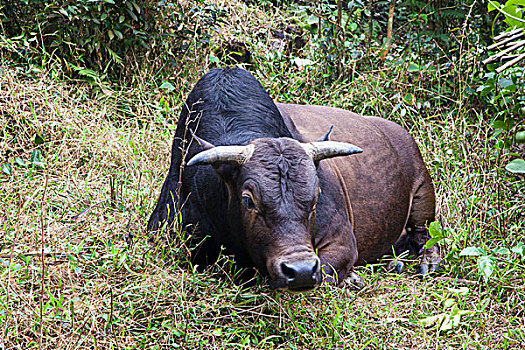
248,202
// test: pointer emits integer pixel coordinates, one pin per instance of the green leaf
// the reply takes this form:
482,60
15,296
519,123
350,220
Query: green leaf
500,124
20,161
38,139
519,249
431,242
520,137
167,85
503,82
111,35
435,230
459,291
312,20
486,266
516,166
413,67
136,6
472,251
7,169
214,59
36,159
501,251
118,34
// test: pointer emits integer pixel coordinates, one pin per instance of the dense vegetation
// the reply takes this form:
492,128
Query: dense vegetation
90,92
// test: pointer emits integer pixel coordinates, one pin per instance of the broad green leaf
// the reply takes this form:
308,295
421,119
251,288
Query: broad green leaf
412,67
501,251
516,166
503,82
472,251
111,35
492,5
214,59
520,137
431,320
459,291
20,161
448,303
118,34
38,139
435,230
519,249
499,124
7,169
167,85
449,322
486,266
431,242
36,159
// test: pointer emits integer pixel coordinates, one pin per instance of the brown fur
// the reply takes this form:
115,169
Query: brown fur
388,185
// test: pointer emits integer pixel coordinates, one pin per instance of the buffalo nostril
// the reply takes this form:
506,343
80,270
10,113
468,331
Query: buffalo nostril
301,275
316,267
288,271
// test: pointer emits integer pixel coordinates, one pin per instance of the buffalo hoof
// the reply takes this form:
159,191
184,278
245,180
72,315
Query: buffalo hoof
429,264
354,281
395,266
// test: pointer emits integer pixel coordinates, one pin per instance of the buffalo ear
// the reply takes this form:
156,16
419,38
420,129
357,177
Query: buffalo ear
224,170
326,137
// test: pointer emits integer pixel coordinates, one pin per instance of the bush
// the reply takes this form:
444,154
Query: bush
104,36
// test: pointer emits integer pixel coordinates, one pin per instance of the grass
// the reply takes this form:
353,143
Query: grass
76,271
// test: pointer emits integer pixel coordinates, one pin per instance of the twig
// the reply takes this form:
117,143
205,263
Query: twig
43,263
506,34
370,26
389,30
15,234
339,12
508,40
510,63
88,209
503,53
457,280
35,253
515,43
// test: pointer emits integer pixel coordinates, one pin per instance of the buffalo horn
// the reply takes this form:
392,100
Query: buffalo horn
233,155
329,149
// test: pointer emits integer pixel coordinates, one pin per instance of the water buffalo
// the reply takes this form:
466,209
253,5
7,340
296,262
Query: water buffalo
246,172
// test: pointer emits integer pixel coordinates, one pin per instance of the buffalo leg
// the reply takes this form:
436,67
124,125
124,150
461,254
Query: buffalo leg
338,256
415,236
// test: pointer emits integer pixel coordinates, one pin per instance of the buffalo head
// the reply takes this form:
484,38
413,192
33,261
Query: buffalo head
273,191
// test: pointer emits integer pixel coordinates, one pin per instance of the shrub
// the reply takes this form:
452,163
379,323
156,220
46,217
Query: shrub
104,36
